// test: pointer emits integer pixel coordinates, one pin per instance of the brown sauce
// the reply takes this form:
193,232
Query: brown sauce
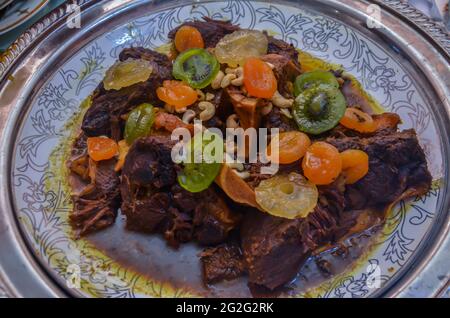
149,255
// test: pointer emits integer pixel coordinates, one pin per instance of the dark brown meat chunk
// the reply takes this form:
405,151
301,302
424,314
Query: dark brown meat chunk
397,167
211,30
274,248
149,163
255,177
179,228
97,121
285,70
147,172
104,115
96,195
280,47
212,219
327,223
224,262
148,213
153,202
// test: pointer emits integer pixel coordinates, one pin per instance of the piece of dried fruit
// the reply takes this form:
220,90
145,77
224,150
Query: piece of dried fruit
101,148
322,163
127,73
292,146
289,195
355,165
236,47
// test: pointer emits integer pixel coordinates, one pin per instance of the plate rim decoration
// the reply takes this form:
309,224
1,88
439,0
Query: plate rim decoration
39,6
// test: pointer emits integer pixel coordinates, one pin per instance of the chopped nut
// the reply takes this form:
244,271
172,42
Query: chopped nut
233,121
215,84
200,94
209,110
280,101
286,112
188,116
267,109
226,81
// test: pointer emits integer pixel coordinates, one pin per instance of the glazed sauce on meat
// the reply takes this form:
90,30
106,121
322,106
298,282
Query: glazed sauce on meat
149,255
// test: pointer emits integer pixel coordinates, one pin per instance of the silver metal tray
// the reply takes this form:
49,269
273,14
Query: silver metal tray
410,55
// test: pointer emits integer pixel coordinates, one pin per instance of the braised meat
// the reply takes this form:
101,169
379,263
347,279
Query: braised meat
103,118
96,197
285,70
212,220
149,163
280,47
274,248
211,30
162,66
223,262
153,201
147,172
397,167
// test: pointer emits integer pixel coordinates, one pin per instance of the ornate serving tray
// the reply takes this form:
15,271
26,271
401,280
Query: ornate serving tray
398,55
18,13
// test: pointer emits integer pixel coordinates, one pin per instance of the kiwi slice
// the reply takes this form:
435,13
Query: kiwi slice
319,108
197,67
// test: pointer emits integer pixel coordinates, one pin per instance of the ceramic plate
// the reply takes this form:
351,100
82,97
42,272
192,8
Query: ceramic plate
51,114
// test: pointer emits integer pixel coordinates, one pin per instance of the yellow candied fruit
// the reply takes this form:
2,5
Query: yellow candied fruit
289,196
233,49
127,73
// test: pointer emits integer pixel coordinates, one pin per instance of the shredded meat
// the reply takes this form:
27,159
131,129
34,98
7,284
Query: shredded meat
223,262
285,70
397,166
268,239
153,201
211,30
280,47
97,197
